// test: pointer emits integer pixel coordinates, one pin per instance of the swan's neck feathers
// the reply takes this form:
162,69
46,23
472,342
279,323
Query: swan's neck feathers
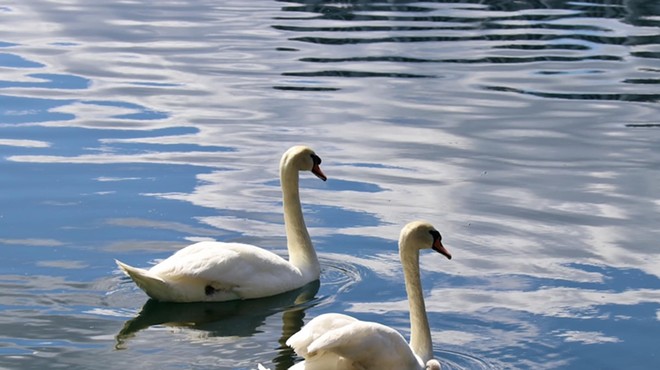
420,333
299,244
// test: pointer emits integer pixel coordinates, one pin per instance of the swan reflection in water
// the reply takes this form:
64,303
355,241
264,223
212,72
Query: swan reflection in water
224,319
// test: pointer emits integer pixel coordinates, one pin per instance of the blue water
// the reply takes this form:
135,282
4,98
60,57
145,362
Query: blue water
526,131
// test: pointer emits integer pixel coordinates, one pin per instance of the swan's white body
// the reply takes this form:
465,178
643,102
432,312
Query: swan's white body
216,271
340,342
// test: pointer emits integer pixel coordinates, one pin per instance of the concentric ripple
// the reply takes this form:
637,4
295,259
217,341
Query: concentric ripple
452,360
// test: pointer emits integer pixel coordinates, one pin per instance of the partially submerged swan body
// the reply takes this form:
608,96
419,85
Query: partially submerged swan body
215,271
340,342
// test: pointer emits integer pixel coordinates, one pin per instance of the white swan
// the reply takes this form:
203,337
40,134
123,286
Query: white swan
341,342
216,271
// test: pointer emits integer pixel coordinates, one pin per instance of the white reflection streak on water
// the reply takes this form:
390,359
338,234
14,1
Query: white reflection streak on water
552,302
587,337
25,143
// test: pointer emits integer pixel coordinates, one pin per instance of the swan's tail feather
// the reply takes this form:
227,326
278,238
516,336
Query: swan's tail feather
154,286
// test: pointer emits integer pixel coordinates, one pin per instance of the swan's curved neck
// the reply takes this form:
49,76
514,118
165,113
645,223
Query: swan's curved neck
420,333
299,244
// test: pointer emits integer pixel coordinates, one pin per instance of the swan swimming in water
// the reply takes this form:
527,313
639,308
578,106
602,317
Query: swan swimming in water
217,271
340,342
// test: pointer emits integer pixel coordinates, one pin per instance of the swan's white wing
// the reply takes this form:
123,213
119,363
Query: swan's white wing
230,269
343,342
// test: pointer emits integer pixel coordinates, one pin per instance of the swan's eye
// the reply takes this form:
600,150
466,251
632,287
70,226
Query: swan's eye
316,159
436,235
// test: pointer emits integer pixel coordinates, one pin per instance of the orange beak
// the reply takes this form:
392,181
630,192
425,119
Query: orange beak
316,170
438,247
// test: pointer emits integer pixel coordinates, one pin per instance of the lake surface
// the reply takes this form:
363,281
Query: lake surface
528,132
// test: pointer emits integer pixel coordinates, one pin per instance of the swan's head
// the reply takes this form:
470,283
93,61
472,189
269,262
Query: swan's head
422,235
433,364
303,158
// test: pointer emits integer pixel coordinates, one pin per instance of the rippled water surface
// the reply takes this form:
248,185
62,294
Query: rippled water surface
526,131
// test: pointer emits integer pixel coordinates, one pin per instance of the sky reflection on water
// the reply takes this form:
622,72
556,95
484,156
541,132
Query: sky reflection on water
524,131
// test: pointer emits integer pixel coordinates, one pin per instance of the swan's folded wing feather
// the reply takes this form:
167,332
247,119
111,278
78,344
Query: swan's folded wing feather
316,328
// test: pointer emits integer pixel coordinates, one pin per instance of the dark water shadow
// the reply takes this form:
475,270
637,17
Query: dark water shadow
223,319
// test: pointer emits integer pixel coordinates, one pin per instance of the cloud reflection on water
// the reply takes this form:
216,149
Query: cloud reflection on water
517,150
